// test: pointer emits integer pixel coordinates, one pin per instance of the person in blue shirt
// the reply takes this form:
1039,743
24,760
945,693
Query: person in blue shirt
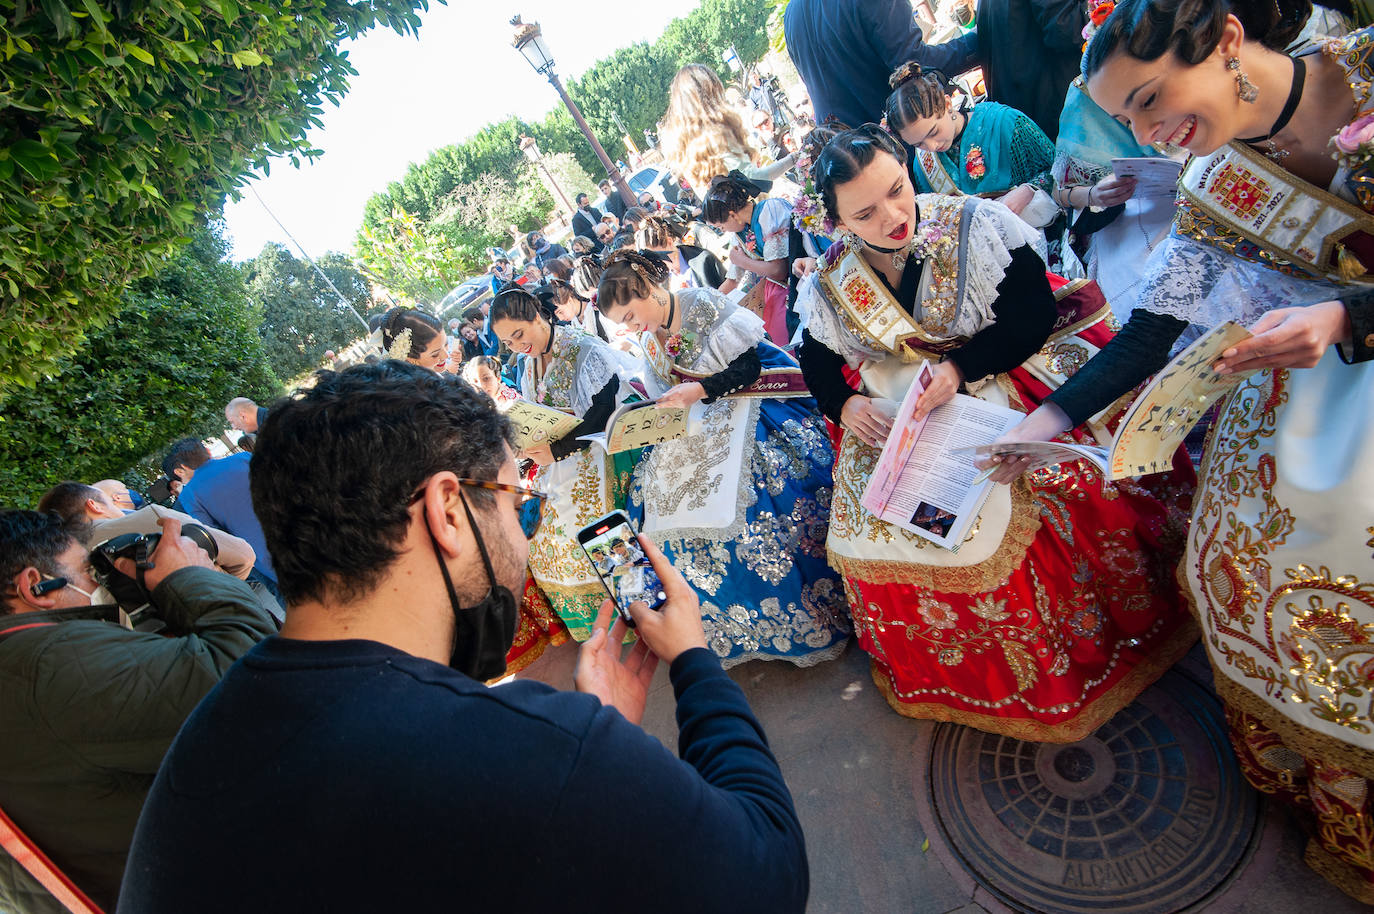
217,494
845,49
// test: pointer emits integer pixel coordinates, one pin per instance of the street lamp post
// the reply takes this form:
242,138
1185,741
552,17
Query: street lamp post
530,148
529,41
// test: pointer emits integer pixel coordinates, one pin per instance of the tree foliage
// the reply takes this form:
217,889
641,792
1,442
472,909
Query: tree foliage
414,261
181,345
632,83
301,315
122,122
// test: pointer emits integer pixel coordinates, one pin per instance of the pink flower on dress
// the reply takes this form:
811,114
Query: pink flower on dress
1355,134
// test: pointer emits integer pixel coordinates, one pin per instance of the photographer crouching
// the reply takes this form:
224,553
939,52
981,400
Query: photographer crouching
88,707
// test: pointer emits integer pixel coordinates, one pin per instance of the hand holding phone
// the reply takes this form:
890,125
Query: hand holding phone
613,548
676,626
651,595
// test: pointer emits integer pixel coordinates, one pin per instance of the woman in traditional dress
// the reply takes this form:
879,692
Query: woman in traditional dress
1275,233
762,226
985,149
741,506
412,335
1060,607
567,369
690,264
1114,231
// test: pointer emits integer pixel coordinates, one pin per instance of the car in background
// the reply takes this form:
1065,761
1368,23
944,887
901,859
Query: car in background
469,292
657,181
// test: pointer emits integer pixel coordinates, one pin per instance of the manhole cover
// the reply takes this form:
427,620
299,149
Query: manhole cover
1149,814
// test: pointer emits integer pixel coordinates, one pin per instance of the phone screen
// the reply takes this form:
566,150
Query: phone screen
614,552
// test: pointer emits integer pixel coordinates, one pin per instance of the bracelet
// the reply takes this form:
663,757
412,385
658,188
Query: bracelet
1090,197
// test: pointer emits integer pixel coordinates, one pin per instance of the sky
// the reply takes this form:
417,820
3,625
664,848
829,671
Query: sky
414,95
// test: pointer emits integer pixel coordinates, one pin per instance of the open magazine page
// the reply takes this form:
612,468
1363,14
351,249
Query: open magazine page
1156,423
925,480
535,424
642,424
1169,407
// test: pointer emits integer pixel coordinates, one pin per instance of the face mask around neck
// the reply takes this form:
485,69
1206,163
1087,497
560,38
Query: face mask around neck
483,632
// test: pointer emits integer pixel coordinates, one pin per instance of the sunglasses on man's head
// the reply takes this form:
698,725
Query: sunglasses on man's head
529,503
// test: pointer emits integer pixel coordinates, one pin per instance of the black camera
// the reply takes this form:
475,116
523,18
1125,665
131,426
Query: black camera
131,592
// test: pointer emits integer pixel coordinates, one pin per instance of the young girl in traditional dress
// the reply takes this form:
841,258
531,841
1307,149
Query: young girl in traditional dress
567,369
484,373
741,507
1060,607
1272,232
762,226
985,149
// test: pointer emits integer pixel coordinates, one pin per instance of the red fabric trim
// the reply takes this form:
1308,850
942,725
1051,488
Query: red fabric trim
28,855
20,628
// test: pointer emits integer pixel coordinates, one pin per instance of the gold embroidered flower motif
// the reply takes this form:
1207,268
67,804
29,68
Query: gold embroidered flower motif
937,614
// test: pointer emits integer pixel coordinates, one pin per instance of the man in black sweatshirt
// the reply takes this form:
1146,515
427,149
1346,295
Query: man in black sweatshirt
357,762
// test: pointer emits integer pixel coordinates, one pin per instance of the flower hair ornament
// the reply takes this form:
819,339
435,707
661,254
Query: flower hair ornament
809,213
400,346
1098,11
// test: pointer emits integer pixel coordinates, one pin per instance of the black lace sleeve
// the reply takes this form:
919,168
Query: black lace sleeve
1360,307
739,374
593,421
823,370
1138,351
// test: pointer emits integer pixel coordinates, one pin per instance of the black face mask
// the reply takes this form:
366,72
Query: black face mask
484,632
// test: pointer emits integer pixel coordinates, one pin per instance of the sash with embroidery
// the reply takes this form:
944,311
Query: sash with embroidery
771,382
873,312
1240,201
935,173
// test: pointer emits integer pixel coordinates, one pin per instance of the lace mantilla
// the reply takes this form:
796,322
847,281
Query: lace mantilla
988,233
724,330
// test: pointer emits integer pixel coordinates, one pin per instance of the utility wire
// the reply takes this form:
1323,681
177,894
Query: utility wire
311,260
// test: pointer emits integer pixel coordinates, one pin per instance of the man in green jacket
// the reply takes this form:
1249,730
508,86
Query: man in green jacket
88,708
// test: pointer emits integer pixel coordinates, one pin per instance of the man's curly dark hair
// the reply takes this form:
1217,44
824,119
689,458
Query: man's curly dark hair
29,539
335,467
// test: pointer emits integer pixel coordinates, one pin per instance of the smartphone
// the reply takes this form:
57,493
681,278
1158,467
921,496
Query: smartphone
612,547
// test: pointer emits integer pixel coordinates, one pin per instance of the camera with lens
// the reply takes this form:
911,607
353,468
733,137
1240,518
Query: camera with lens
131,592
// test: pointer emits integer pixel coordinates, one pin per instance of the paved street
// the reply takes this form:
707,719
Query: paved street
864,780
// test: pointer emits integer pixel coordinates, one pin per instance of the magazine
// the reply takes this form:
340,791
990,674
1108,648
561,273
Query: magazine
1158,420
925,480
535,424
644,423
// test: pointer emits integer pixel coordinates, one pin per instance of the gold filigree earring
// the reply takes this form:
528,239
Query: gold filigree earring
1246,90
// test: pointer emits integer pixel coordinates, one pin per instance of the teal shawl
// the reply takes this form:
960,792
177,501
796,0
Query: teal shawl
1089,138
1012,148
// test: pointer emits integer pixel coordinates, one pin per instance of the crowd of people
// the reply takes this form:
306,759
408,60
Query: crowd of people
310,702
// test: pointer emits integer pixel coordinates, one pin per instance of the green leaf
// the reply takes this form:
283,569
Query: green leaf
925,845
248,56
138,53
97,14
61,17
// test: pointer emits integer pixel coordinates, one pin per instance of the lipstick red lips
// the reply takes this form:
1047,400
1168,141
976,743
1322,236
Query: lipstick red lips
899,233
